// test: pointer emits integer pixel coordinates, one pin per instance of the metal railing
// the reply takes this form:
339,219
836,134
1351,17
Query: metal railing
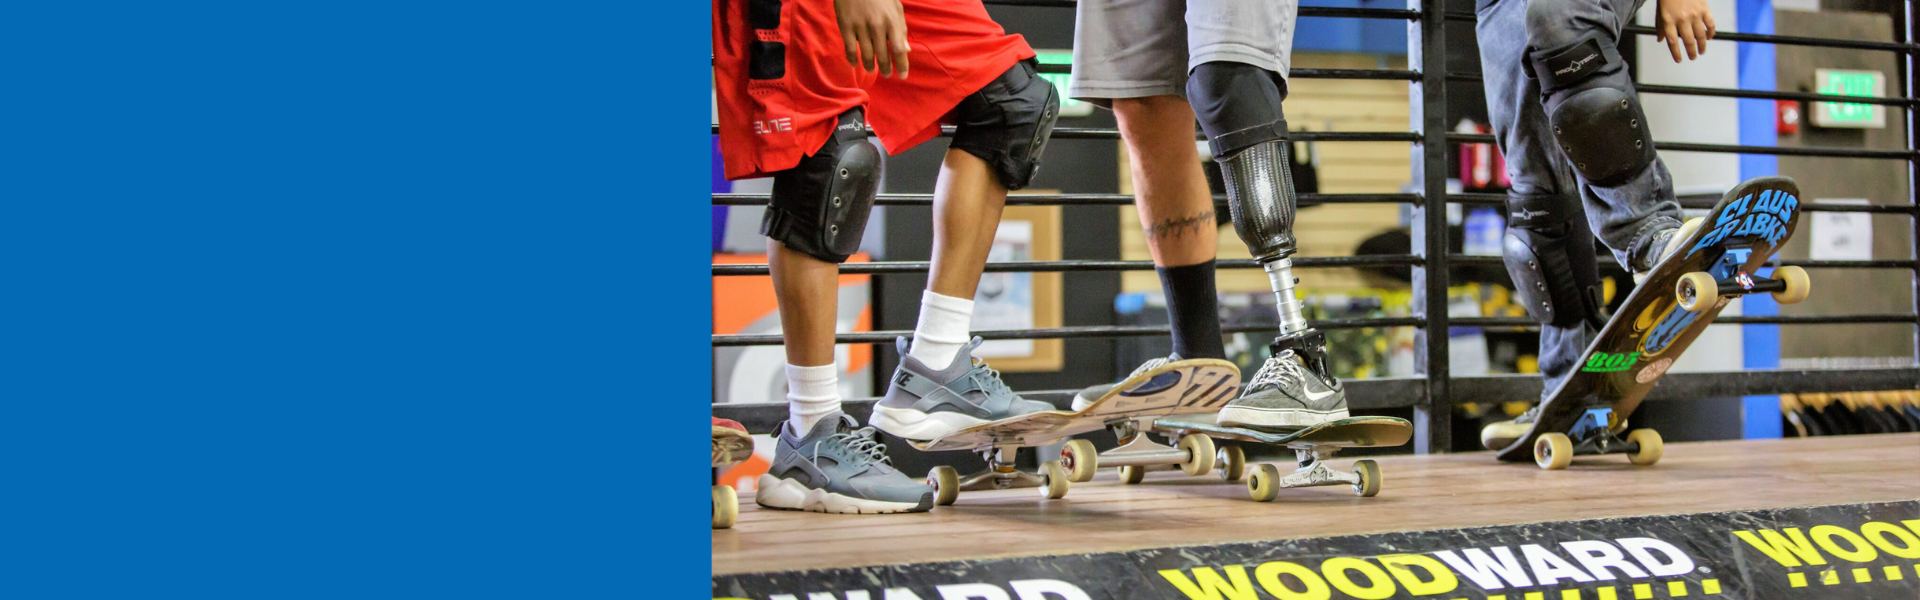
1431,394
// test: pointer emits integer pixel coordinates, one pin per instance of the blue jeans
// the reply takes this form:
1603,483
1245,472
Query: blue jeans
1626,216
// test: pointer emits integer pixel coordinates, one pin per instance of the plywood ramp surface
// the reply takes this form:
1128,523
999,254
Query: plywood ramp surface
1419,493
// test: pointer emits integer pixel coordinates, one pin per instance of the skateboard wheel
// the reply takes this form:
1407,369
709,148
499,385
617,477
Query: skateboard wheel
1080,460
1264,485
726,506
946,485
1053,480
1553,451
1797,285
1199,453
1696,291
1132,473
1650,446
1369,474
1233,463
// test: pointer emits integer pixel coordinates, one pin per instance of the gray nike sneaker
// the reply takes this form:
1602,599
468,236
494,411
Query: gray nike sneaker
924,404
1285,394
838,467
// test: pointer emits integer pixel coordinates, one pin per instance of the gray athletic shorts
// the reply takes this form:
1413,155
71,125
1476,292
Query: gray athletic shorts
1136,48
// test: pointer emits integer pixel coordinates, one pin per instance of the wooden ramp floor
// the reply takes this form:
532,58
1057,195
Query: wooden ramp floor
1419,493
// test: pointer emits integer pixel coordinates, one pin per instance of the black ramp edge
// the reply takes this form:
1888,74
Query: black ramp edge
1848,551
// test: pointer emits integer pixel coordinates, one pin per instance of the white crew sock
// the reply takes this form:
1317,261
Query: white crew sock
943,329
812,393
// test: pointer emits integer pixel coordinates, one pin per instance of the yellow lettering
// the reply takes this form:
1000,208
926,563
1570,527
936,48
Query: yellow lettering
1861,551
1399,565
1877,533
1379,585
1783,549
1207,584
1268,574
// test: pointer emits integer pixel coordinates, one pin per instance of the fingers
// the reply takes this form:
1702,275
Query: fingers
853,47
883,51
900,49
867,62
1701,35
1673,41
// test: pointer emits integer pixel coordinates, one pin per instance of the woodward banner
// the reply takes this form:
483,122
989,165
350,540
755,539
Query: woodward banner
1863,551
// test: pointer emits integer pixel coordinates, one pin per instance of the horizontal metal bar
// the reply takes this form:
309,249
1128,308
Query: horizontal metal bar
1482,138
1607,262
1102,133
1647,88
1705,202
1526,323
1075,266
1712,384
1305,11
1405,392
1084,199
1084,331
1734,36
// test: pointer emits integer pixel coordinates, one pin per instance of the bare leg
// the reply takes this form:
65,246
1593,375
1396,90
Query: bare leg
808,289
1169,187
967,203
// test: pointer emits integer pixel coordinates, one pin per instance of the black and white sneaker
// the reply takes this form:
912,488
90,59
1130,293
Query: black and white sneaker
1285,394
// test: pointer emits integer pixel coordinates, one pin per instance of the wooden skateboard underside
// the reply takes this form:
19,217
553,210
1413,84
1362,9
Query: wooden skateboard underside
1350,432
1188,386
1651,330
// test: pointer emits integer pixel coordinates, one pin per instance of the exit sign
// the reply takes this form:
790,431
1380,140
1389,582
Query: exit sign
1850,83
1068,106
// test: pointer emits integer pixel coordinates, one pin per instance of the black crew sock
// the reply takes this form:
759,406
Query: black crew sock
1193,306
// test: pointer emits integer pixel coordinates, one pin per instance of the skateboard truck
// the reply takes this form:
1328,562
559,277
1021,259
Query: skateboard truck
1727,278
1594,434
1001,473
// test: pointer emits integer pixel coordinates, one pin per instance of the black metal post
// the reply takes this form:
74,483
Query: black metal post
1908,60
1427,48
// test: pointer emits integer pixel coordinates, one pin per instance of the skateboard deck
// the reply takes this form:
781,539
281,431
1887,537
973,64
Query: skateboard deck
1348,432
1642,339
1187,386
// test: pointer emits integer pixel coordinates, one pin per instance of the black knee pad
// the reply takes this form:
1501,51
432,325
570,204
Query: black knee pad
1549,252
1228,97
1239,108
820,206
1007,123
1595,113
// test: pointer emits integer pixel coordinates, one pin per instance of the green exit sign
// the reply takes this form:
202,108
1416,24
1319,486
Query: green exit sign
1068,106
1850,83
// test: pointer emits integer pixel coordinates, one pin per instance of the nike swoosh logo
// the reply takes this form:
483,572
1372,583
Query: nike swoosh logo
1316,397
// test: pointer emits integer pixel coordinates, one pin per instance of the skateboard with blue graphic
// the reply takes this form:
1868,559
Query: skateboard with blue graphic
1718,262
1175,388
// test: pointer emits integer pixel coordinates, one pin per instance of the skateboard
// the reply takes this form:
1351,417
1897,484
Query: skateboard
1182,387
1312,445
1679,298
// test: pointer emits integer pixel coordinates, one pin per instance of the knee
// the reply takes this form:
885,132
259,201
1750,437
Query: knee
1550,24
1007,124
1151,109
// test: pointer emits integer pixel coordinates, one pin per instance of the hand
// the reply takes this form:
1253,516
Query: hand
876,35
1684,24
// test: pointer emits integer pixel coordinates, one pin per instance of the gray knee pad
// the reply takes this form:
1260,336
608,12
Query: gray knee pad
1007,123
1549,252
1595,114
1239,107
820,206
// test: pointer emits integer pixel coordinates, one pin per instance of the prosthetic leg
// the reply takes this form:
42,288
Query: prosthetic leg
1238,106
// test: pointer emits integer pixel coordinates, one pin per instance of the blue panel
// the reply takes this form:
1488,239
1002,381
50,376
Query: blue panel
1761,418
